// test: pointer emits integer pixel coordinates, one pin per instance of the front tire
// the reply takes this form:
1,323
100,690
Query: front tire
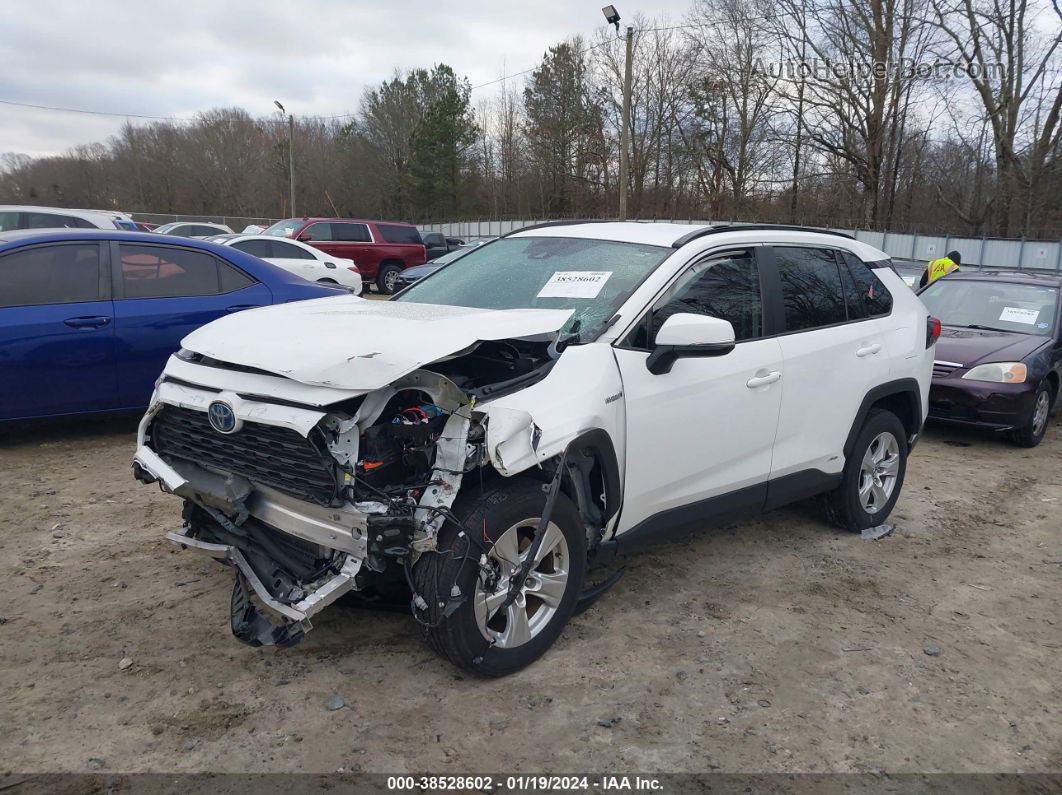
872,477
1032,433
479,635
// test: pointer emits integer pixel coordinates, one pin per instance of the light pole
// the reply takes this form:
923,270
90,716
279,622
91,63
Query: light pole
291,153
612,17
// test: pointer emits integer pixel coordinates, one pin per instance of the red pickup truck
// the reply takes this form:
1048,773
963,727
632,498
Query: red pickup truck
380,249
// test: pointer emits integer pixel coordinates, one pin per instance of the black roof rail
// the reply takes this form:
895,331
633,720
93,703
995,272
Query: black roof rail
573,222
712,230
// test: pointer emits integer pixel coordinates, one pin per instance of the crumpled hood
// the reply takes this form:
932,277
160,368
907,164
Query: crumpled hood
971,346
353,343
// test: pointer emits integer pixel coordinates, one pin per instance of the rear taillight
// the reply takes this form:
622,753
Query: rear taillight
354,268
932,330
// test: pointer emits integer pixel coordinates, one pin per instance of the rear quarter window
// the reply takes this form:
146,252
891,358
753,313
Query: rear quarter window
868,296
393,233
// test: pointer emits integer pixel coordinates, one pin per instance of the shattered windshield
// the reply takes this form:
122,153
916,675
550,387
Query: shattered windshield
591,277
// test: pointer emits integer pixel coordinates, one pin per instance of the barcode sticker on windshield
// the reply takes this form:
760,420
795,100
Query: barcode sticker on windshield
1016,315
574,284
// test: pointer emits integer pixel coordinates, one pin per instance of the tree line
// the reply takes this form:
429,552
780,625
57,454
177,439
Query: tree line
906,115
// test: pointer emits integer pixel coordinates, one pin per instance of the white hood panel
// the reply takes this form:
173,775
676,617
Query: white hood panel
353,343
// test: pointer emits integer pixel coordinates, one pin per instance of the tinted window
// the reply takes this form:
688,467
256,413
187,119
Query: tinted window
202,230
726,287
8,221
318,232
351,233
429,238
867,295
50,275
53,221
811,287
257,248
288,251
156,272
232,278
393,233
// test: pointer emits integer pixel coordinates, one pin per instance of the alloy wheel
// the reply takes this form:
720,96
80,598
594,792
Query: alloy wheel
1040,412
878,472
540,597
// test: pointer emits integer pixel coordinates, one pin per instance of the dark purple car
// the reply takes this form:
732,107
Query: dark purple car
999,358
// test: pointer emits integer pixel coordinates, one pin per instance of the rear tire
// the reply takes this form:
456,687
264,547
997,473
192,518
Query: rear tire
386,278
1032,433
479,636
872,477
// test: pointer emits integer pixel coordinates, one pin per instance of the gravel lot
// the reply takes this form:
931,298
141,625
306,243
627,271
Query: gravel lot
777,645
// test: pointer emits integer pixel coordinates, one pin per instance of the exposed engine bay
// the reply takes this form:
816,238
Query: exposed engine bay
350,503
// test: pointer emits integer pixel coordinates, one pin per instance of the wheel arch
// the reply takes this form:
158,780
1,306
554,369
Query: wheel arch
597,445
1055,381
902,397
592,469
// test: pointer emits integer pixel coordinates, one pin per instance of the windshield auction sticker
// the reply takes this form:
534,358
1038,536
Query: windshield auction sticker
1015,315
574,284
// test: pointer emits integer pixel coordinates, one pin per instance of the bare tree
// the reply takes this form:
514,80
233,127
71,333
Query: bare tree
1014,71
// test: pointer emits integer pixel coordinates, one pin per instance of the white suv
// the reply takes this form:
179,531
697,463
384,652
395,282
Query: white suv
549,399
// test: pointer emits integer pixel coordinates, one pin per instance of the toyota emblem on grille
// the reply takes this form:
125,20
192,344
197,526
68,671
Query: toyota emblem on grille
221,416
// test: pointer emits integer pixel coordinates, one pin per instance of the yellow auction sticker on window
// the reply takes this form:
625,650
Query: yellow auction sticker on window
574,284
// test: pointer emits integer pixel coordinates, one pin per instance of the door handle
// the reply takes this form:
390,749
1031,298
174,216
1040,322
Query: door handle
241,307
763,380
88,321
869,350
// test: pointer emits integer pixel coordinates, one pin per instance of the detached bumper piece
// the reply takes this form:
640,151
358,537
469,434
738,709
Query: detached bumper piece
264,617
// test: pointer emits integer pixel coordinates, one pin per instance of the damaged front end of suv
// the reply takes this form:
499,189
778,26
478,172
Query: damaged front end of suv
317,467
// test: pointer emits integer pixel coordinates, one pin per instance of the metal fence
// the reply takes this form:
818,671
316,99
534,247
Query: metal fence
980,251
234,222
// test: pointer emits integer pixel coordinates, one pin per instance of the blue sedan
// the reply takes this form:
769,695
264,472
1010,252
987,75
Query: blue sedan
89,317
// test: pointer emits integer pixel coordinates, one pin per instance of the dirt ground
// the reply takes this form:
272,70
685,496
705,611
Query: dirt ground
777,645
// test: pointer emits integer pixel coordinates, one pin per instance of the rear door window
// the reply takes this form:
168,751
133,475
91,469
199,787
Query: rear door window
351,233
160,272
61,274
393,233
8,221
286,250
256,248
811,287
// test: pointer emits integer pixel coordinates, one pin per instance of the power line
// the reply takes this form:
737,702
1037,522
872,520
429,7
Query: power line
186,119
112,114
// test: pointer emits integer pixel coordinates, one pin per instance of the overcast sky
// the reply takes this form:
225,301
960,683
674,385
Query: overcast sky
315,56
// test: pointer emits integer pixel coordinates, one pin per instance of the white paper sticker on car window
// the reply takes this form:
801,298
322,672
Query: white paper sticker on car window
574,284
1016,315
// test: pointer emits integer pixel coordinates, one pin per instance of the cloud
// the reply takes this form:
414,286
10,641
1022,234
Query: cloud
176,59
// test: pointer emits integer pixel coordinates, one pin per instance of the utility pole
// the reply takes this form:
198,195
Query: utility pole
612,17
625,129
291,155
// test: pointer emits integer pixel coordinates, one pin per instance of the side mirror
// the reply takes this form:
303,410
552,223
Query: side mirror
686,335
